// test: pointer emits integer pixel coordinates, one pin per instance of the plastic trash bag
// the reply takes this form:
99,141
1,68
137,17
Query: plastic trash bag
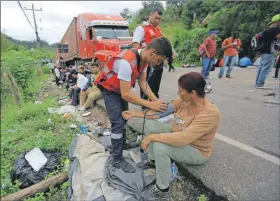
23,172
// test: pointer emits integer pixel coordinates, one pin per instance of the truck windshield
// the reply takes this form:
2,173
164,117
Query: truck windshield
111,32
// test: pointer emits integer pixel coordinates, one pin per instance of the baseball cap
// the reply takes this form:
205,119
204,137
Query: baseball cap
275,18
74,72
213,32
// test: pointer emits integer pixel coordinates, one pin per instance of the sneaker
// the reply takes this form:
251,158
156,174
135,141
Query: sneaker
228,76
124,165
154,193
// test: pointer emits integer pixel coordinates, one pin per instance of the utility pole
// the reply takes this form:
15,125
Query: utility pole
35,24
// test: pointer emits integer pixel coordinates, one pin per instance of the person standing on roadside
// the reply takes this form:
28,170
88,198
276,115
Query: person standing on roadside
209,51
170,60
230,46
269,50
142,37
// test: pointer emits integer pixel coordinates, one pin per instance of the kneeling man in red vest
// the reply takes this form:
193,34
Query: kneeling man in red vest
118,75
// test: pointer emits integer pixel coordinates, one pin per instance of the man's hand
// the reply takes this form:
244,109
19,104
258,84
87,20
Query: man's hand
158,106
127,115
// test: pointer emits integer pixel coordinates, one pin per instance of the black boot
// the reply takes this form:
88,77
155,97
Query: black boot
124,165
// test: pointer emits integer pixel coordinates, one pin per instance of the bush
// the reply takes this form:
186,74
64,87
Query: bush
187,43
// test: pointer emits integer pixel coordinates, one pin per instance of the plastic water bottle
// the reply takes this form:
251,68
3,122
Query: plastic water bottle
174,172
84,129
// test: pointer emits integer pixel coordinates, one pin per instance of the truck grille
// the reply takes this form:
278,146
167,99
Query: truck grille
125,46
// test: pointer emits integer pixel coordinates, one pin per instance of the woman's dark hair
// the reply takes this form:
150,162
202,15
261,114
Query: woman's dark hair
193,81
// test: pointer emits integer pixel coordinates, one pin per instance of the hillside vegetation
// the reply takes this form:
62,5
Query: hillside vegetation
21,71
187,23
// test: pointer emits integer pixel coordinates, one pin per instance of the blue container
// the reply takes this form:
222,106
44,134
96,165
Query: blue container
84,129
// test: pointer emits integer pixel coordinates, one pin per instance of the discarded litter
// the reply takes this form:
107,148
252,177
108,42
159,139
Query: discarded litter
63,109
270,94
106,133
38,102
67,116
36,159
23,171
73,126
272,102
84,128
174,172
49,121
86,114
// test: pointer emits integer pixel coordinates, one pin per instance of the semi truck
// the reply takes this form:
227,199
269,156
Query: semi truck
91,36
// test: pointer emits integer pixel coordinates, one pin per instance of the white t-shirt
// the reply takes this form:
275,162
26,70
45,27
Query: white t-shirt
123,69
139,34
57,72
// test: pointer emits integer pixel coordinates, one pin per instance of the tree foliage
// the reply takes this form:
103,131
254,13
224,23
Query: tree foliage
197,18
126,14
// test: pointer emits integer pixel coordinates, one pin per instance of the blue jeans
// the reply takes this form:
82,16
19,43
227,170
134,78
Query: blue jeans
267,62
228,61
115,105
207,64
76,93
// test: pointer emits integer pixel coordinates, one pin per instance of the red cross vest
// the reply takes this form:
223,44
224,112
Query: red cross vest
151,33
109,80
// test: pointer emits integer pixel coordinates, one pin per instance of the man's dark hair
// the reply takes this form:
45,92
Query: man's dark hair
158,10
95,64
193,81
162,47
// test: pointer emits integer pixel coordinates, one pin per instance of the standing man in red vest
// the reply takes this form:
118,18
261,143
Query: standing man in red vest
118,75
142,37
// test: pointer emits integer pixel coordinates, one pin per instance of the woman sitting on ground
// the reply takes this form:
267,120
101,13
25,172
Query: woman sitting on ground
190,137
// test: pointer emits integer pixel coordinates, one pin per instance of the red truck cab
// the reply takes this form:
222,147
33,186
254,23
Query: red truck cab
92,34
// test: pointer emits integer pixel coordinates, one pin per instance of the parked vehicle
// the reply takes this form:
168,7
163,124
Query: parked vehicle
92,34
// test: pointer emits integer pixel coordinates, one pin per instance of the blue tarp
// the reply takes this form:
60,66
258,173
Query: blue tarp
244,62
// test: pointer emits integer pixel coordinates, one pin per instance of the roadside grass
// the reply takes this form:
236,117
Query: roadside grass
27,127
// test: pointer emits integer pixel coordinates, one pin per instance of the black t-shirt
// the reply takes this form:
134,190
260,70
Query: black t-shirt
269,37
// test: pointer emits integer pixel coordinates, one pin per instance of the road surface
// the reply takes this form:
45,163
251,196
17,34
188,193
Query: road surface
245,160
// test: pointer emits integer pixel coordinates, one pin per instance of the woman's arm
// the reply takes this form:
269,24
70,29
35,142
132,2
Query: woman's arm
137,113
149,114
201,125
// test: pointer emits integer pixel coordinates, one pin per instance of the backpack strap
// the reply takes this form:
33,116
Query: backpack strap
138,58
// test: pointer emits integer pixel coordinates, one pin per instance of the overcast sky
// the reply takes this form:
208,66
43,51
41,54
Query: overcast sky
55,17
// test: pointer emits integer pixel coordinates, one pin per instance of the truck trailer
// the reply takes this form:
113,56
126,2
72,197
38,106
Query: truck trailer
91,34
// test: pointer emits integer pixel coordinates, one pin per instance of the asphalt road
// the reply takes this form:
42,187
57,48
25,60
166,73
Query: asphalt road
245,160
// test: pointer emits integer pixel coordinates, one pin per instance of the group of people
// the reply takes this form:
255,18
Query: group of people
207,51
188,139
79,83
269,51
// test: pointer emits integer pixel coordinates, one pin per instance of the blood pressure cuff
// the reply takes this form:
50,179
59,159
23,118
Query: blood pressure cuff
170,110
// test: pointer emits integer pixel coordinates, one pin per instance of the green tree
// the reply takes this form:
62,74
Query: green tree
126,14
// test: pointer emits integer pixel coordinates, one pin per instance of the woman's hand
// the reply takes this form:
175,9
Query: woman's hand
127,115
145,142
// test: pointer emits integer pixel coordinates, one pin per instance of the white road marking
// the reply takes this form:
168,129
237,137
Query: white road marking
249,149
